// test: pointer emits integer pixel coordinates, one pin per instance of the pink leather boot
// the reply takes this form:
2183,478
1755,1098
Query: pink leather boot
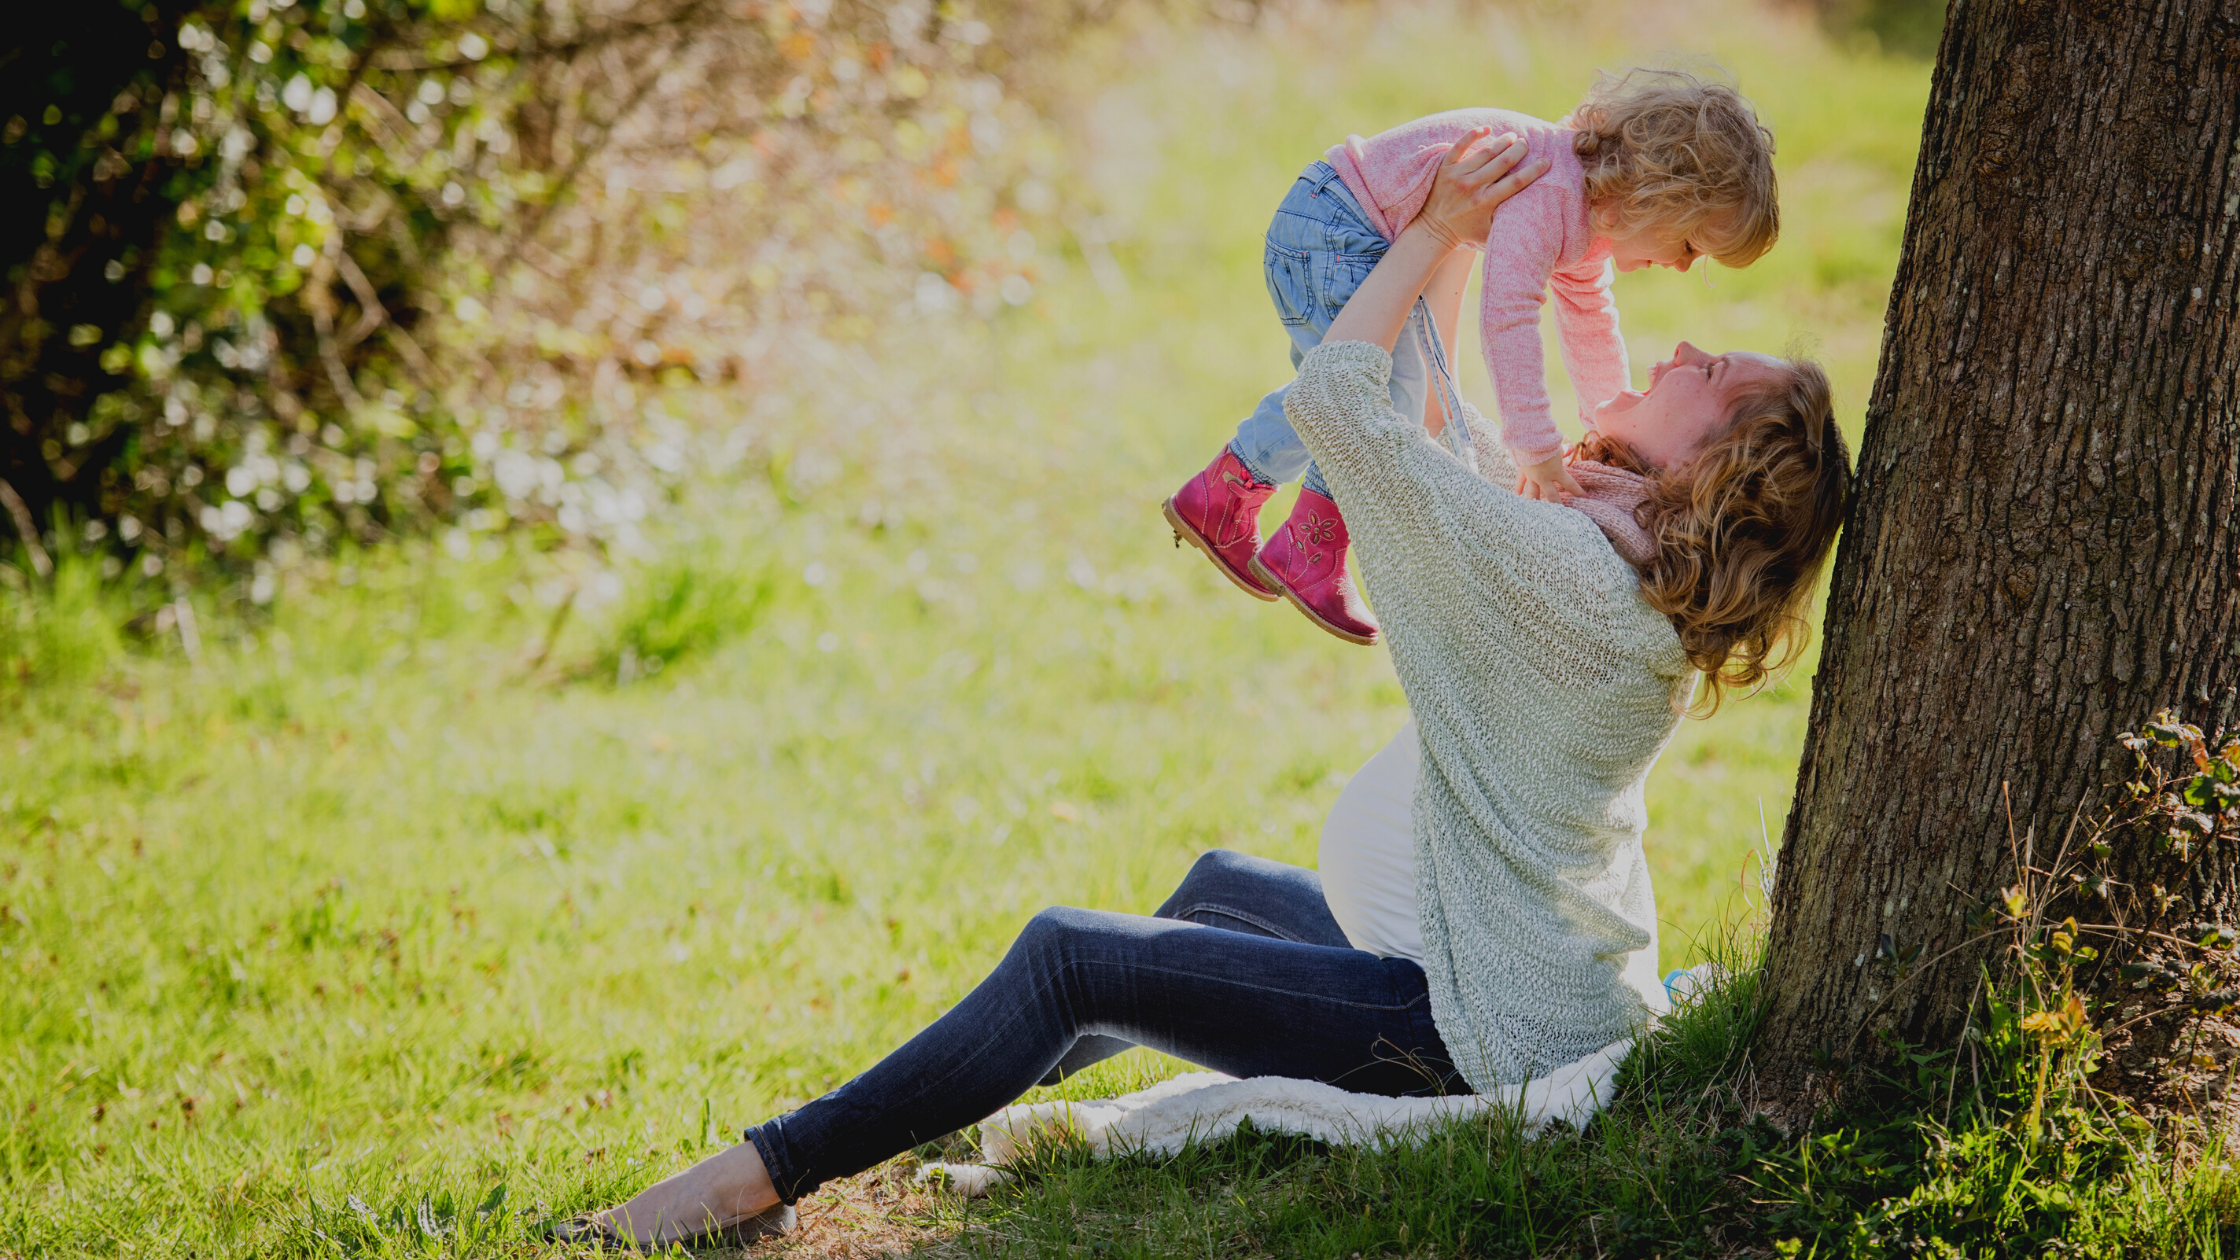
1306,561
1218,512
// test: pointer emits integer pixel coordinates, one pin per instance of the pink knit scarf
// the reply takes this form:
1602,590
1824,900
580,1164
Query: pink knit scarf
1612,495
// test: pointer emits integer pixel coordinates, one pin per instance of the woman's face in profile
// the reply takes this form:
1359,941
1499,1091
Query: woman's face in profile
1687,401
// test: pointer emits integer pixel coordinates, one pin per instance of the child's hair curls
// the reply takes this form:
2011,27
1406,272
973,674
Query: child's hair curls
1668,149
1744,527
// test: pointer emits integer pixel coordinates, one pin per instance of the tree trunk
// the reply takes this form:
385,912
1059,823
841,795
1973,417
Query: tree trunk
2043,549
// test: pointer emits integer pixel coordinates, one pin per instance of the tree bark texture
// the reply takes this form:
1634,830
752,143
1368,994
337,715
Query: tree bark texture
2042,550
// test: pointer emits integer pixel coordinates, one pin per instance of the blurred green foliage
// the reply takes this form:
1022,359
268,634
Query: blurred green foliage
1911,27
285,273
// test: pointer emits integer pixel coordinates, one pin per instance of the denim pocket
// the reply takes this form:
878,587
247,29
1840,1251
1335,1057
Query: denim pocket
1339,275
1320,249
1291,285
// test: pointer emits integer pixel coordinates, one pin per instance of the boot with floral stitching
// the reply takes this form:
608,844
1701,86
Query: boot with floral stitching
1306,561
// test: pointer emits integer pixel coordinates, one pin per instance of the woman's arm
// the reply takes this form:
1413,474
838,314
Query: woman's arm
1378,310
1471,184
1419,516
1445,296
1468,553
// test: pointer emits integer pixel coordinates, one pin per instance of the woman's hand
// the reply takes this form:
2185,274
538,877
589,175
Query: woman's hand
1470,184
1476,176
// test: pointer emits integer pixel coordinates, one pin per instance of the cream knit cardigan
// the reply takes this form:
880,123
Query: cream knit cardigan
1543,689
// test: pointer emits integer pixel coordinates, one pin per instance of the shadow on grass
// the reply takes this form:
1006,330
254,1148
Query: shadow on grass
1641,1180
1679,1166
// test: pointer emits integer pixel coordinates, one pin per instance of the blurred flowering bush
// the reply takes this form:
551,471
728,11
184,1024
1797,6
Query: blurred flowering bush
285,272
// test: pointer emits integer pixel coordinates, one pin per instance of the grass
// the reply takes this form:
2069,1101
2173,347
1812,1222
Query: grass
466,885
1678,1167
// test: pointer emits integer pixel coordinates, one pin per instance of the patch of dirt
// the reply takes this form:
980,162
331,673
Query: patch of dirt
883,1212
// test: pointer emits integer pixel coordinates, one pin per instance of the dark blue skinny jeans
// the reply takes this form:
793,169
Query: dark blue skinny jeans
1242,970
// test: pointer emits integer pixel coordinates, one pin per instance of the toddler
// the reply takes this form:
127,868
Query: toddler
1654,168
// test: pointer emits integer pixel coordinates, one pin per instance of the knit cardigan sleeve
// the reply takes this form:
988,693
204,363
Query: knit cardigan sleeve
1537,566
1543,688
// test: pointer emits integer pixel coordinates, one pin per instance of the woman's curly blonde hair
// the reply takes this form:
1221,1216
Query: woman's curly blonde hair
1744,527
1668,150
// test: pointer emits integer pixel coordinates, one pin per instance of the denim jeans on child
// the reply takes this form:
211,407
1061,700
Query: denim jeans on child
1320,248
1242,970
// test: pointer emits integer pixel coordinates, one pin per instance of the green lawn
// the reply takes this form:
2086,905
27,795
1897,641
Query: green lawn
363,918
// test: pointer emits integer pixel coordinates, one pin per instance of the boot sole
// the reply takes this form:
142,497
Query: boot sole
1184,531
1266,574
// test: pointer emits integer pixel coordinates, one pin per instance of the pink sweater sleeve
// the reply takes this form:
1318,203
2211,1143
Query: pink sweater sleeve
1521,255
1594,354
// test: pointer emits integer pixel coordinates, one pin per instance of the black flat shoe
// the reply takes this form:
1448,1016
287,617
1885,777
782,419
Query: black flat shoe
768,1223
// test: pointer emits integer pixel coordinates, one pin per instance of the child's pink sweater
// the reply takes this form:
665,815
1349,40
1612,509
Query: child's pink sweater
1541,240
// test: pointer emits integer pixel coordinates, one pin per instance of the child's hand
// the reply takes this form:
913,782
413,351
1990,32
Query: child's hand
1549,481
1473,181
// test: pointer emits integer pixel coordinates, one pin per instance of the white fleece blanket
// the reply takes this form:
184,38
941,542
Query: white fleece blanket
1207,1107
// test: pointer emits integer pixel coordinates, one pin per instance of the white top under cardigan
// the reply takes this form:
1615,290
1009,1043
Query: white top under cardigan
1368,866
1368,856
1543,688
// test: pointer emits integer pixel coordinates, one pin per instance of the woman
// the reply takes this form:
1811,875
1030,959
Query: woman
1503,926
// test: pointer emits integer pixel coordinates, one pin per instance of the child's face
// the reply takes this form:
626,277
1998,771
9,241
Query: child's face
1653,247
1689,395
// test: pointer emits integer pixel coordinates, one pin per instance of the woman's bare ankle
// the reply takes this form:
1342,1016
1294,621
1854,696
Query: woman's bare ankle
757,1193
729,1186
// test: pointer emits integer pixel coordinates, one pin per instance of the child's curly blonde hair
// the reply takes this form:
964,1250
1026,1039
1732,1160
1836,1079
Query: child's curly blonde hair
1666,149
